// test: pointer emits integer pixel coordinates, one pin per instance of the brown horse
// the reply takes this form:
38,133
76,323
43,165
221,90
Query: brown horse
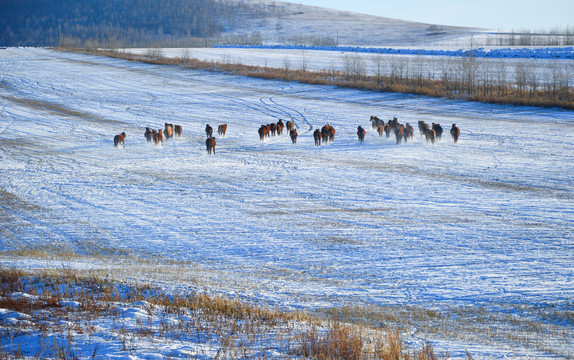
280,127
210,144
380,130
168,131
409,132
423,126
158,137
399,133
328,133
222,129
376,122
208,130
148,134
293,134
272,128
430,135
388,130
290,125
178,130
361,134
331,132
325,133
317,137
263,131
455,133
120,139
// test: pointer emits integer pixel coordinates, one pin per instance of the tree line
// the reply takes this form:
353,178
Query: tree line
114,23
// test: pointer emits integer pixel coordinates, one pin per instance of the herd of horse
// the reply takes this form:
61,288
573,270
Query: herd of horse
272,129
157,136
402,132
405,132
210,141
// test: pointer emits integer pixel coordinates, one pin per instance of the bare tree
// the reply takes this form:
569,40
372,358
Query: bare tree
486,72
501,78
378,64
354,67
521,77
286,66
184,56
532,78
419,69
447,75
469,69
304,61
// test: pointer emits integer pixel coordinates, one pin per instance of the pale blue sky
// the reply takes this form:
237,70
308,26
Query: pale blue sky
489,14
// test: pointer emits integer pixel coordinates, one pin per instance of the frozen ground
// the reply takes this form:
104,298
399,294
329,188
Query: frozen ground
485,223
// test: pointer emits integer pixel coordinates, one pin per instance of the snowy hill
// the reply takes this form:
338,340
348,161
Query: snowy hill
283,22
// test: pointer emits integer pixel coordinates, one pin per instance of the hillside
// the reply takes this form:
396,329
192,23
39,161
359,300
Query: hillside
289,23
184,23
121,22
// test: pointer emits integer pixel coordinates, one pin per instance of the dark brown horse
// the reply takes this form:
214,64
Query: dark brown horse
120,139
222,129
455,133
272,128
148,134
293,134
210,144
317,137
208,131
438,130
178,130
361,133
263,131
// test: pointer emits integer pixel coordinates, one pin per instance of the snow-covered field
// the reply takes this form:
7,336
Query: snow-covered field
487,223
550,65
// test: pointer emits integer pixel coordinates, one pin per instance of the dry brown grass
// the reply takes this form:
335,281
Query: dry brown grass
338,342
234,325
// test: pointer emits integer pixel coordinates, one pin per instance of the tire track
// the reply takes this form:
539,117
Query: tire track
288,110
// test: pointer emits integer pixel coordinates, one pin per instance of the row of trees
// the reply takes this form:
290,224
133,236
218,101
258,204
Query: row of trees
495,80
555,37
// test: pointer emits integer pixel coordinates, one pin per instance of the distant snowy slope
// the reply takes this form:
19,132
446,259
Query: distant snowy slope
283,22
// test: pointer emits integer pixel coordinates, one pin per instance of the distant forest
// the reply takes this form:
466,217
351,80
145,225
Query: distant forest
113,23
